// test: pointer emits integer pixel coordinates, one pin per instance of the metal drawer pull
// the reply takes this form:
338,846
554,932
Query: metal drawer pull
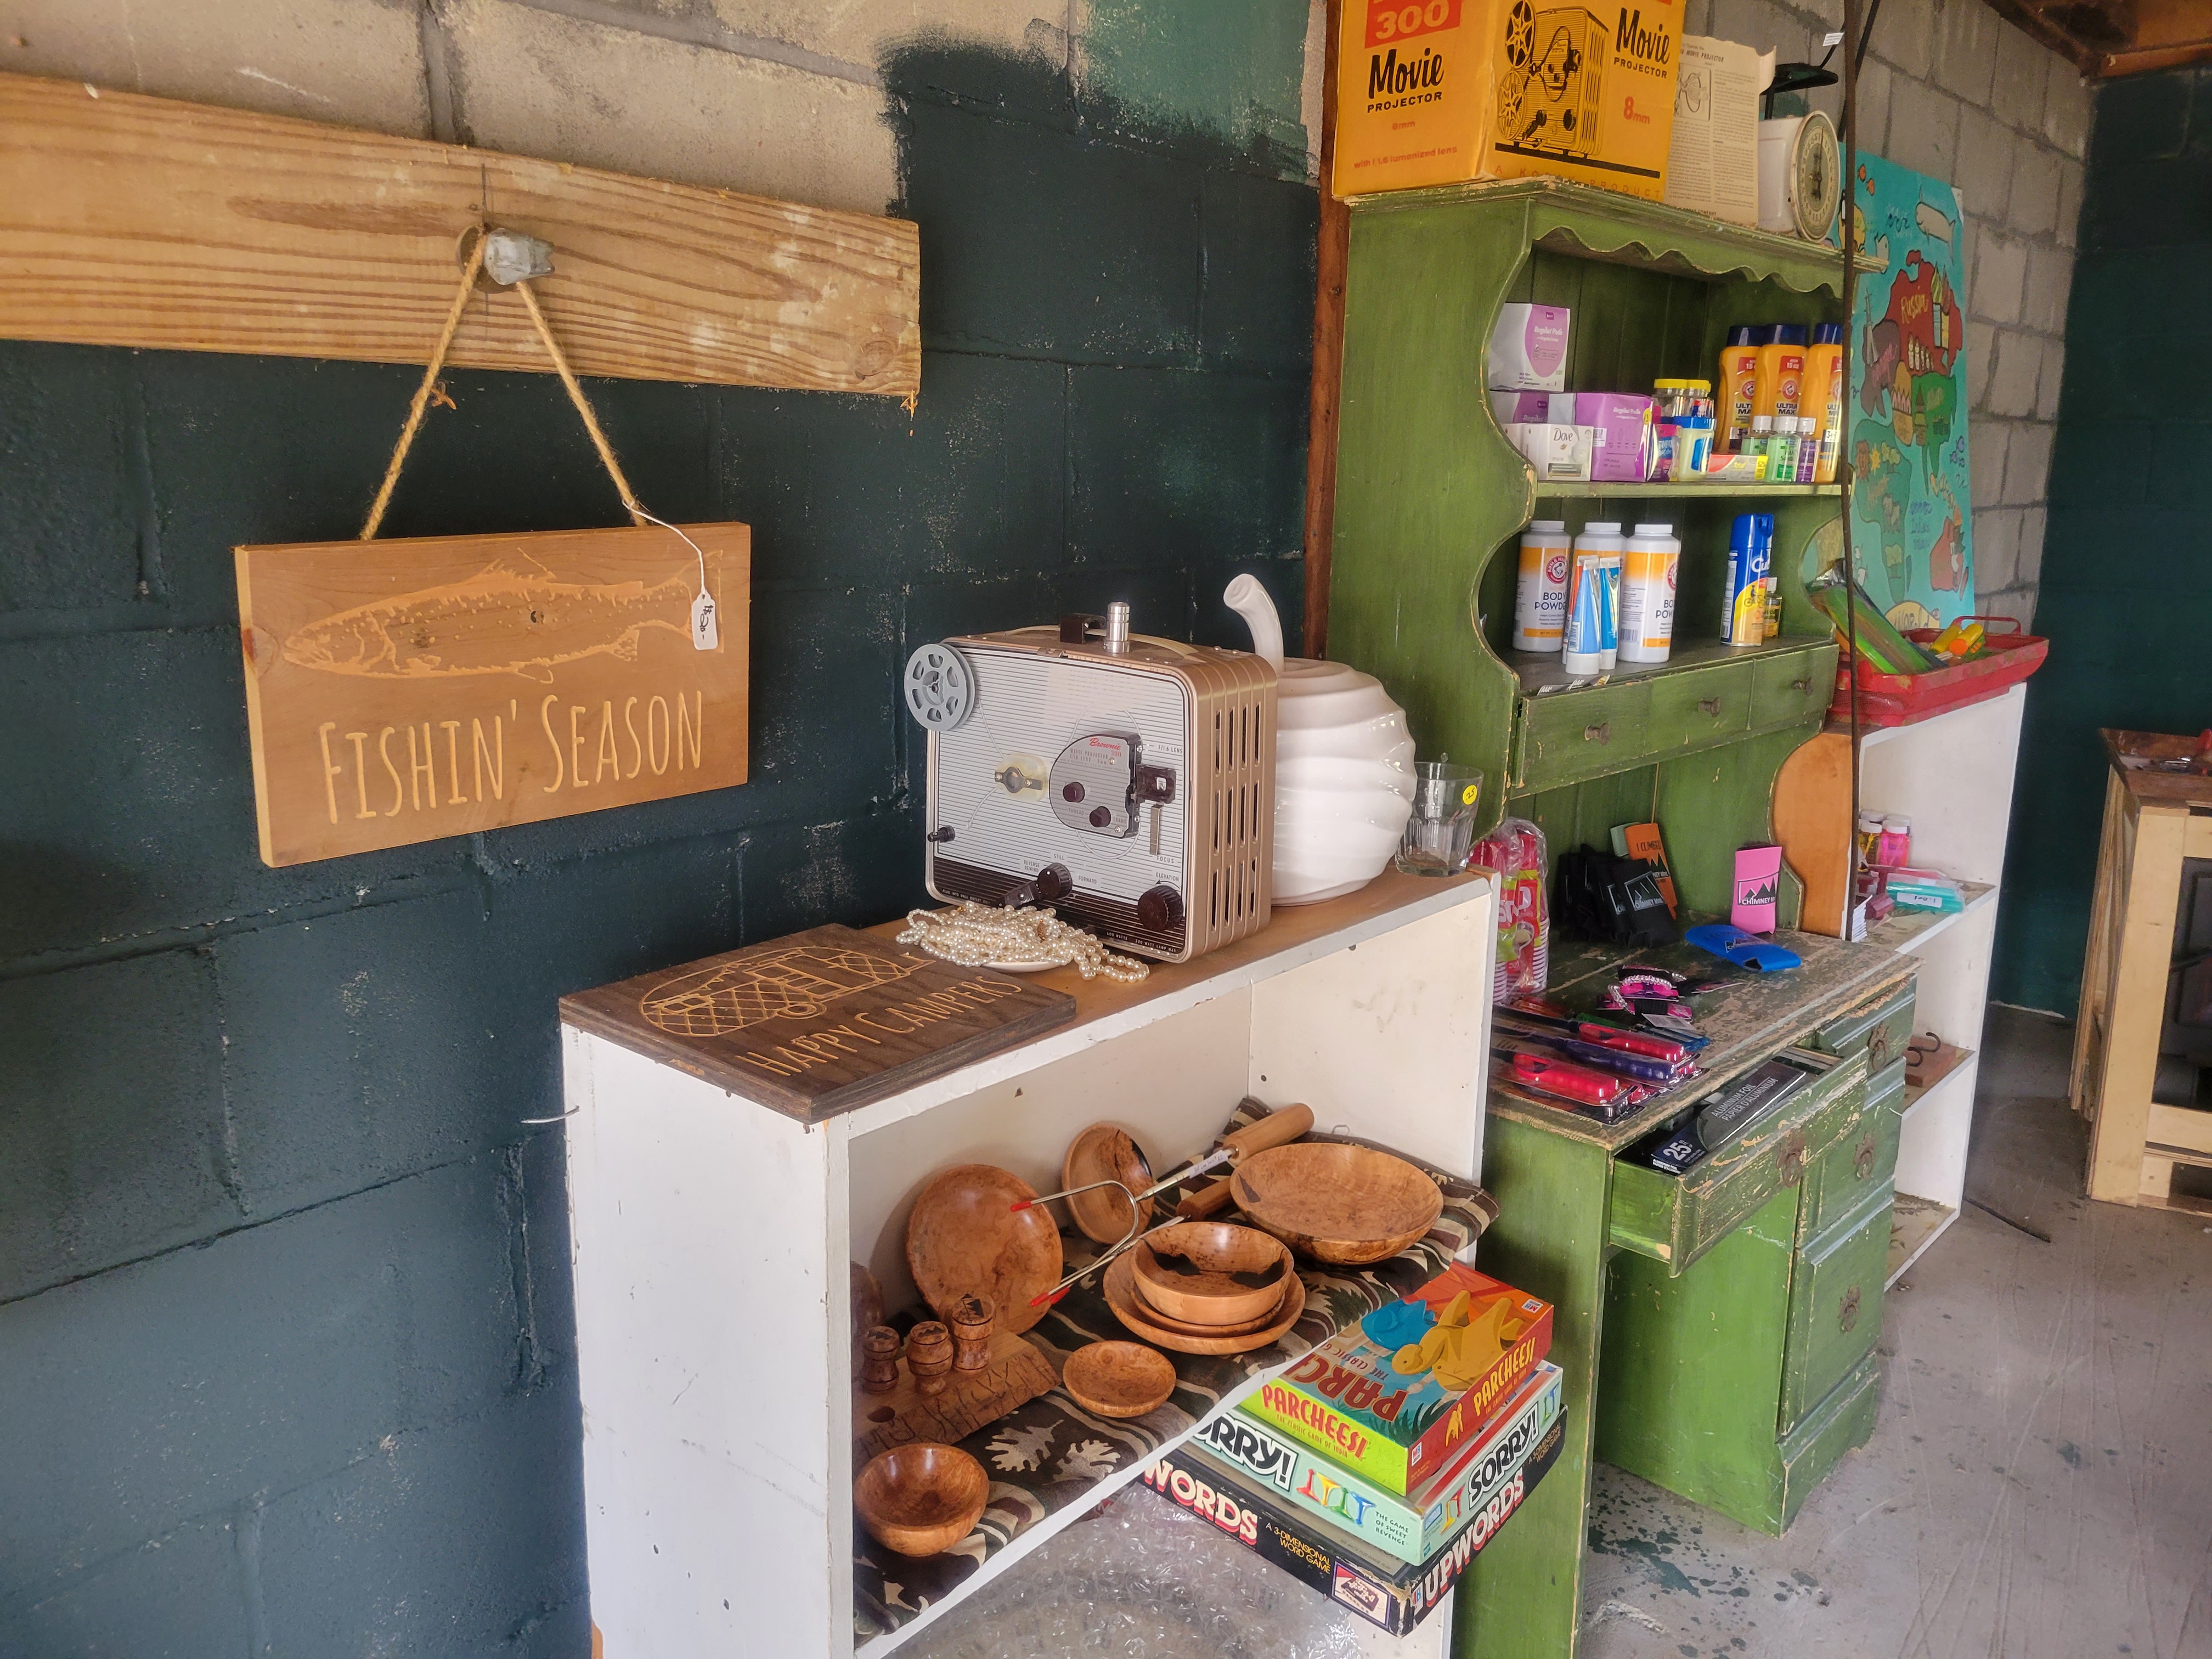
1601,732
1709,705
1790,1161
1805,684
1847,1313
1863,1160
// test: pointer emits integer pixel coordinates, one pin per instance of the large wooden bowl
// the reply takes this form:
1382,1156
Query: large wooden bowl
1133,1311
1102,1152
965,1238
1118,1379
1345,1205
1210,1272
921,1500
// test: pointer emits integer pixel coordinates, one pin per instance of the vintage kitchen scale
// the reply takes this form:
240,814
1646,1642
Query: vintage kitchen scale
1127,781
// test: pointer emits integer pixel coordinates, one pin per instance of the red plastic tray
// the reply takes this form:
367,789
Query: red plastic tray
2006,659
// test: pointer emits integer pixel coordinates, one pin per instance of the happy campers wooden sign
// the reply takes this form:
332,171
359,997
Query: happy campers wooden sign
401,692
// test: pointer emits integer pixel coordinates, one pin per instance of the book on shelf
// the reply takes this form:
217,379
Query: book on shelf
1413,1527
1391,1594
1391,1397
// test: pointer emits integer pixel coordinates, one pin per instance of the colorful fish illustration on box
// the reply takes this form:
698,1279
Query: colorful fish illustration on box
500,621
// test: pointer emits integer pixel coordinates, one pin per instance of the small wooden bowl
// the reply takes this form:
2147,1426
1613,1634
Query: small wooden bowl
1347,1204
1211,1273
1119,1379
1102,1152
921,1500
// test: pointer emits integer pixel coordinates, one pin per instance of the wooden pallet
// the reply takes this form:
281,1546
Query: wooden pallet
2153,822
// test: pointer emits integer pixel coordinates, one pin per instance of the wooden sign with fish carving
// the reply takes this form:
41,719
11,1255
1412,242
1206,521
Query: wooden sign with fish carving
401,692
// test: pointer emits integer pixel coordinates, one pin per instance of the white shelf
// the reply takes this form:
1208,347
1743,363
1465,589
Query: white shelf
718,1463
1913,1226
1911,930
1020,1548
1915,1099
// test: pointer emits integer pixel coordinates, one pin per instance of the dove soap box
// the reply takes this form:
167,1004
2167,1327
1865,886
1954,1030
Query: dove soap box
1391,1397
1410,1527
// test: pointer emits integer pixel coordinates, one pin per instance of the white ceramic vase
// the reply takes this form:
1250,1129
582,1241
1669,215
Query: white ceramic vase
1344,764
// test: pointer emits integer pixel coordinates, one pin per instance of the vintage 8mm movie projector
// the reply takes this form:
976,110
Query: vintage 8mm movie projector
1129,782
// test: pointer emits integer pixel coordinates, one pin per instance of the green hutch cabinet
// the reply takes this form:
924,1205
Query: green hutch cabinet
1717,1329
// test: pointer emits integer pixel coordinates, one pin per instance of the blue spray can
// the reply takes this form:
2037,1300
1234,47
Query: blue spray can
1743,595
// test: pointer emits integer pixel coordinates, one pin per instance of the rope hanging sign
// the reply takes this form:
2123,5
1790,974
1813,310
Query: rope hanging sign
404,690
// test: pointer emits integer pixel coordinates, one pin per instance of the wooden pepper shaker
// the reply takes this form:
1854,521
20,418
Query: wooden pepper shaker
879,1354
971,1333
929,1356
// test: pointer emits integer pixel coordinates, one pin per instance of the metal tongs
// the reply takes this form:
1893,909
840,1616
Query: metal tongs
1278,1128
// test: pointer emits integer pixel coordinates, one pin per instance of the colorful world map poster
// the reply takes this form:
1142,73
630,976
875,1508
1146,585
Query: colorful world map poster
1912,521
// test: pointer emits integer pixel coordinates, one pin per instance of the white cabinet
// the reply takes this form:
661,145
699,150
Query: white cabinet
711,1236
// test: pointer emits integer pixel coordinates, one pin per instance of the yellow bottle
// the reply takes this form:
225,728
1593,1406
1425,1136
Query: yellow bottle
1824,397
1780,384
1739,370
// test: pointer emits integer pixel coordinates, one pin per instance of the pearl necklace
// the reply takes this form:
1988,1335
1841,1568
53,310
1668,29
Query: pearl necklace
980,936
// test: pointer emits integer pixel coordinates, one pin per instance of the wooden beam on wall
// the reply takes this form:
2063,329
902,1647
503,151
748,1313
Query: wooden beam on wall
143,221
1329,263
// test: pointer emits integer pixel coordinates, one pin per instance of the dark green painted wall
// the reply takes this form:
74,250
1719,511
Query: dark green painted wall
285,1349
2126,598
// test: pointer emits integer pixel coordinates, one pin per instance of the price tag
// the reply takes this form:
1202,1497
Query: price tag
705,636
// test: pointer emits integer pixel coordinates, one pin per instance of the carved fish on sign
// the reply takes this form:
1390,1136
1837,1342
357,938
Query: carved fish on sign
500,621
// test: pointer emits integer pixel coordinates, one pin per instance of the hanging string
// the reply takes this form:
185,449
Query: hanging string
470,269
415,410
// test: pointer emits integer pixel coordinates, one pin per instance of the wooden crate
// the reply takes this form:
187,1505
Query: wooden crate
2153,820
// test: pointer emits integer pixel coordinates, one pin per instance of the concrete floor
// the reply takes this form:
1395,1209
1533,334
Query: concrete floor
2039,1484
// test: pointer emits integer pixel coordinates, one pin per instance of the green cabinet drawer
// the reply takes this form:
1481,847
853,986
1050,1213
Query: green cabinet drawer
1878,1026
1835,1306
1794,686
1573,735
1864,1159
1675,1218
1704,706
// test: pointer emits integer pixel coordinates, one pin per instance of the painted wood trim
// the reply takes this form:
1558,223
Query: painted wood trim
1332,256
1602,223
2197,839
2149,876
143,221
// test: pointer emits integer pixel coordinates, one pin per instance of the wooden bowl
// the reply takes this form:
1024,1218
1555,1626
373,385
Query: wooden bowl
1183,1328
965,1238
921,1500
1210,1272
1347,1204
1121,1289
1102,1152
1119,1379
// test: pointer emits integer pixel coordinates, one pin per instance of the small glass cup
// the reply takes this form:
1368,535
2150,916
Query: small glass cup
1441,831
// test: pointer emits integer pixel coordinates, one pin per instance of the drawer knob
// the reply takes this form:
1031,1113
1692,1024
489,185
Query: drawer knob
1847,1311
1863,1160
1801,686
1709,706
1601,732
1790,1161
1877,1047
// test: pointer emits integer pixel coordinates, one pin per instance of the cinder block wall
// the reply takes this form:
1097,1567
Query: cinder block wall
2127,600
1951,90
285,1358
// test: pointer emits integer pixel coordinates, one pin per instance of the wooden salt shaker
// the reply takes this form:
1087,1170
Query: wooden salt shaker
929,1356
971,1333
879,1350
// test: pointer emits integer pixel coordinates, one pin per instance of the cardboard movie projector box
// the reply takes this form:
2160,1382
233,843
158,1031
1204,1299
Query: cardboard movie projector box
1436,92
1389,1397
